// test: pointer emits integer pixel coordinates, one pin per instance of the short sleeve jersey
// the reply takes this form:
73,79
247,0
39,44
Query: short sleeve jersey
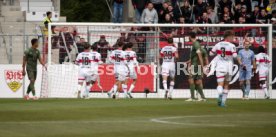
32,56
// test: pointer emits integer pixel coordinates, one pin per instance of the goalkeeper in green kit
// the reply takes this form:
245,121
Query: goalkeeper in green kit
30,58
198,59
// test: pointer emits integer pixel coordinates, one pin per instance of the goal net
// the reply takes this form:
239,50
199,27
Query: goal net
61,78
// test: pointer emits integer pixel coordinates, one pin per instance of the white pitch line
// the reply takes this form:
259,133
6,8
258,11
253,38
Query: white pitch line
166,120
70,122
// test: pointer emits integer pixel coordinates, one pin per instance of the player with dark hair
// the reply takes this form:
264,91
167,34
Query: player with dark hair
263,63
196,64
89,63
121,69
168,55
225,51
132,63
31,56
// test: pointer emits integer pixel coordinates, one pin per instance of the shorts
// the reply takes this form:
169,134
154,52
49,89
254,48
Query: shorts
32,74
245,75
168,70
121,74
196,74
86,75
132,74
223,76
263,73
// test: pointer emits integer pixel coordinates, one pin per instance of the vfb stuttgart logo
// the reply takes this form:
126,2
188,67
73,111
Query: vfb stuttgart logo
14,79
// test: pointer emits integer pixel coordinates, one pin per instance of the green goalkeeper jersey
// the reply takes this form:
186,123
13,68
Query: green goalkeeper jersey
193,56
32,55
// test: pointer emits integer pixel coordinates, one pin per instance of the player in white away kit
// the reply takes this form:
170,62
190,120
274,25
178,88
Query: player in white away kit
132,63
225,52
88,68
121,71
263,63
169,54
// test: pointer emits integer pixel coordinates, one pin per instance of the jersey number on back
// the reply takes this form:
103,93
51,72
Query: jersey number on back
168,55
222,52
85,61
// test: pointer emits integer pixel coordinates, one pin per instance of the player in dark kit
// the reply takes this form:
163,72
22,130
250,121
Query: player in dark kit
30,58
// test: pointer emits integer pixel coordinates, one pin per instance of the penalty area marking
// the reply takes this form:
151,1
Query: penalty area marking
167,120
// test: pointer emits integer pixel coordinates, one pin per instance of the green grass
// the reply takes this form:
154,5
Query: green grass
136,118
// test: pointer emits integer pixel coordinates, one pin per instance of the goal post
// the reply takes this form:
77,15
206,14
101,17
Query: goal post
61,78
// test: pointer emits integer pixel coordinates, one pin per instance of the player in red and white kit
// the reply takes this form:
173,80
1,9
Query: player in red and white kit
169,55
263,63
132,63
118,58
225,52
88,68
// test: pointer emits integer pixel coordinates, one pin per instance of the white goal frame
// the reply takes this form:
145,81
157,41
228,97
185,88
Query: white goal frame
269,26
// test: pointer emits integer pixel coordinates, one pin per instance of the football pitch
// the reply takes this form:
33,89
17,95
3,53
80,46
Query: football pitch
136,118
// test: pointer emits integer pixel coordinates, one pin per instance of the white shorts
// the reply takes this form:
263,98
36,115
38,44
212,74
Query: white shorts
121,74
168,69
263,73
223,76
132,74
87,75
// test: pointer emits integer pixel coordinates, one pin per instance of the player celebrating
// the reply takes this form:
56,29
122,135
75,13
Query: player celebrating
197,58
30,58
88,62
131,62
225,52
118,58
245,59
263,63
169,55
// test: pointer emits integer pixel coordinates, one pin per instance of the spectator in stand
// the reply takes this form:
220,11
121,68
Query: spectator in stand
199,8
48,20
103,46
273,18
237,12
186,11
163,12
168,19
172,13
227,12
263,3
139,6
149,15
118,7
202,20
262,18
241,20
212,15
255,14
157,4
80,44
247,3
224,3
245,14
226,20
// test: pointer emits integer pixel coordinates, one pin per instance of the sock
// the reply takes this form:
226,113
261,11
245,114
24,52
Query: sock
220,93
29,90
165,85
224,96
115,87
247,88
132,86
200,91
192,90
265,90
32,88
111,90
124,86
87,90
243,90
171,88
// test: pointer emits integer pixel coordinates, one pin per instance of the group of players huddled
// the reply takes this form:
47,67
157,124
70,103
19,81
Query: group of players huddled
124,60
